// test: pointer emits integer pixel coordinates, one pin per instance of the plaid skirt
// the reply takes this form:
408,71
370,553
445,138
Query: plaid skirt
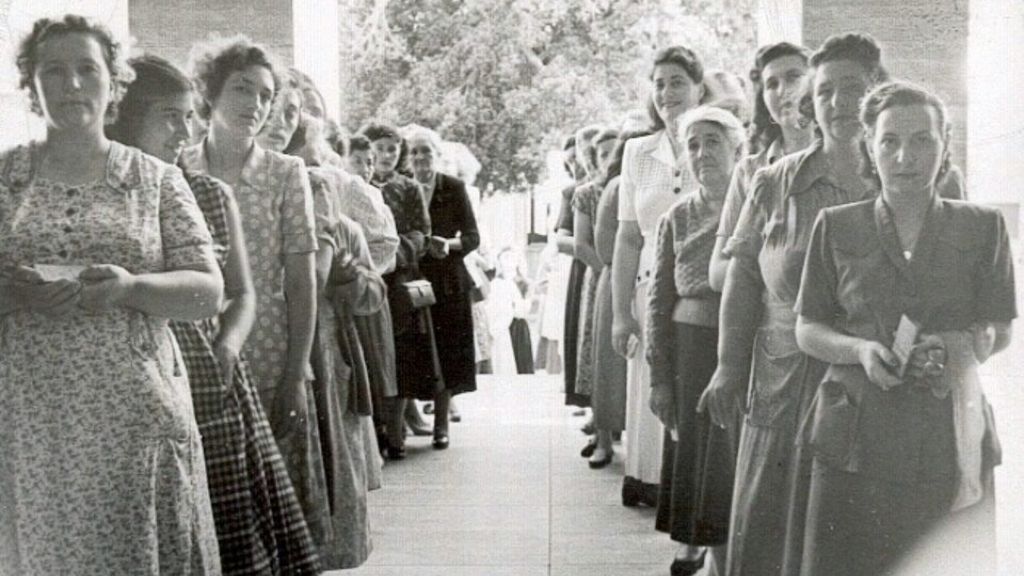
260,526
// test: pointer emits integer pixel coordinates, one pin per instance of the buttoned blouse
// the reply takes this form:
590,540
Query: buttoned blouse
740,185
650,183
858,280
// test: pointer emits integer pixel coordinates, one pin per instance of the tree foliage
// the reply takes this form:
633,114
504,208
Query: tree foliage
510,78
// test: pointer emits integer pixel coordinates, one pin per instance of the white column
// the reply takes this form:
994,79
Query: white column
780,20
315,24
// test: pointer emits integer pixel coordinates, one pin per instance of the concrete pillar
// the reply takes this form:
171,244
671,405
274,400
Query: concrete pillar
302,33
924,41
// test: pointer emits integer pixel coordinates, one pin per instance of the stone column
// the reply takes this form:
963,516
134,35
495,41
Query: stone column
302,33
924,41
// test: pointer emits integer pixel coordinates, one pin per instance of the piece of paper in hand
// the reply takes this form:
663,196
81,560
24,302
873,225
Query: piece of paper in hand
53,272
632,345
903,343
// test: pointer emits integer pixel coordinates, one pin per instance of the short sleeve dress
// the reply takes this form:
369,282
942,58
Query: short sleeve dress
101,465
889,466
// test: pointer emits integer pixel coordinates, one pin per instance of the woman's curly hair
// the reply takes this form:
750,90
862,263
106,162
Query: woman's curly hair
121,75
211,63
763,129
860,48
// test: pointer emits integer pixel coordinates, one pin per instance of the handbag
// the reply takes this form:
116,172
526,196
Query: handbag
417,294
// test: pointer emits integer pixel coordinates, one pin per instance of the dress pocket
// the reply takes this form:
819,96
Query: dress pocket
830,426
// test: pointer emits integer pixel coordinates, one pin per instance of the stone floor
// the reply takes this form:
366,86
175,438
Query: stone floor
512,497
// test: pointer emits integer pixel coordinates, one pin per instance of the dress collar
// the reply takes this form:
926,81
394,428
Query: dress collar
196,158
662,150
120,172
925,245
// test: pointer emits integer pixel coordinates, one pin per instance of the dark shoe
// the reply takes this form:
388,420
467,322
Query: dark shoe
687,567
428,408
601,463
589,429
454,415
632,494
588,450
440,441
396,453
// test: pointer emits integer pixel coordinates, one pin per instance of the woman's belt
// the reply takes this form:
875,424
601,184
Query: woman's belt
696,311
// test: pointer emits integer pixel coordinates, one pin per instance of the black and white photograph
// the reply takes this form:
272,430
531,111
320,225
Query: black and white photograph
511,287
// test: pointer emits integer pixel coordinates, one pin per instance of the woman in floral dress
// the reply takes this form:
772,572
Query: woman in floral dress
101,465
260,525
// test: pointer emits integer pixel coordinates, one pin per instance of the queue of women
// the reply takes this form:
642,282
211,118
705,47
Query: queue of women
203,335
799,308
207,341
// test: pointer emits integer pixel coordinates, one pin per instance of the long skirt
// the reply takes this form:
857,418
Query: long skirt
585,374
453,335
644,432
570,340
260,525
522,347
608,398
697,468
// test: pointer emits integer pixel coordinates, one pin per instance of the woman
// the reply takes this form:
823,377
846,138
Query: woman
260,525
915,457
101,465
237,84
454,235
417,372
682,321
585,202
778,129
767,250
341,386
650,183
577,386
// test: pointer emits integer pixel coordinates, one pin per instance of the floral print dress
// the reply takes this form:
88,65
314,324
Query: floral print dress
101,465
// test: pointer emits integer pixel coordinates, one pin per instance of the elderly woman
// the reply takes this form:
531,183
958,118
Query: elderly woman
260,525
903,296
761,285
585,202
454,235
650,184
418,372
347,286
238,82
778,129
101,465
682,321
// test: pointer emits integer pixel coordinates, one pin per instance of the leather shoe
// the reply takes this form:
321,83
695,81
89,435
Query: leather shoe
440,441
682,567
588,450
396,453
601,462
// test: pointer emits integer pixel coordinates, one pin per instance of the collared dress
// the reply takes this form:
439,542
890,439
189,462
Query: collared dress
739,186
260,526
649,185
682,335
886,474
758,351
101,463
276,204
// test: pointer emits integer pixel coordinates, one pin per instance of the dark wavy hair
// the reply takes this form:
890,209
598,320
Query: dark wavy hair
27,58
899,93
763,129
854,47
680,56
615,166
155,78
211,63
374,131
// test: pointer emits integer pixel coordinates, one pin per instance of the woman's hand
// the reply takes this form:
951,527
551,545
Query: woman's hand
722,401
622,329
290,406
28,288
879,362
927,358
663,405
438,247
104,287
228,356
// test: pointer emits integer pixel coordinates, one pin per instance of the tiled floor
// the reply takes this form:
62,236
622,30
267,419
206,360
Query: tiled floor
512,497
